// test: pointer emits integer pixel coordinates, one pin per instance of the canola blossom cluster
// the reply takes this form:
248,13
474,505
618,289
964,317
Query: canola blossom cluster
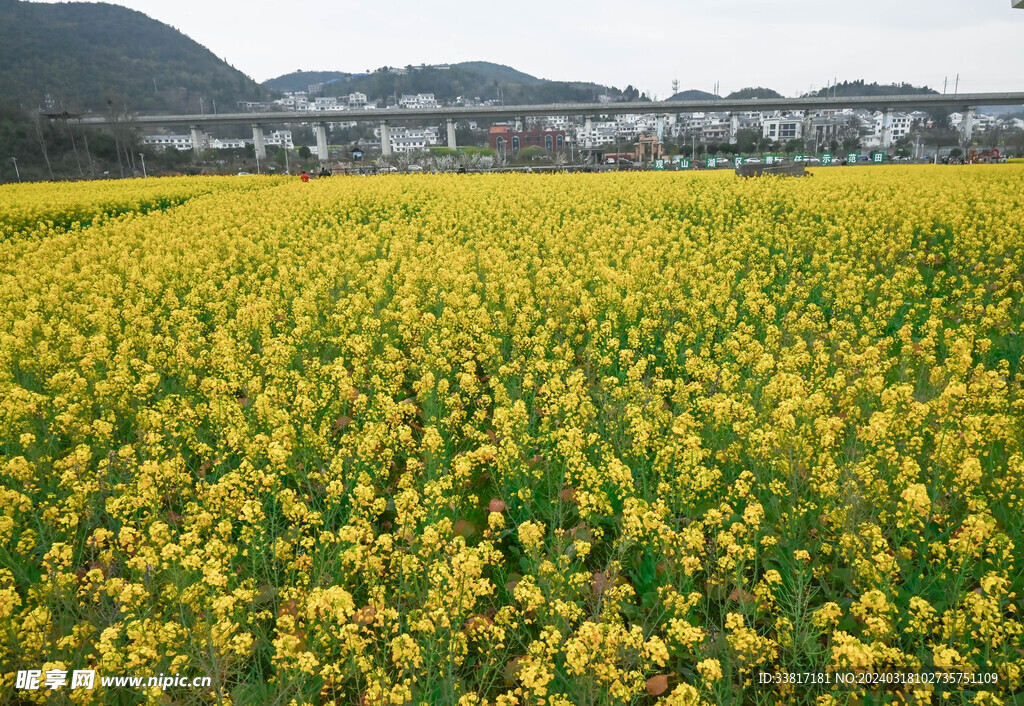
515,439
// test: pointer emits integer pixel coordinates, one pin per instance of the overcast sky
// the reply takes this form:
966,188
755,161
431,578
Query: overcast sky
788,45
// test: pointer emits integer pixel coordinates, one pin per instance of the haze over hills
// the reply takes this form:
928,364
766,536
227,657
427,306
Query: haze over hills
77,56
471,79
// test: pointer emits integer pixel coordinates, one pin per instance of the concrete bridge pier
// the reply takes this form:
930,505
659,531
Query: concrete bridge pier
198,140
734,127
385,139
887,128
257,142
321,141
451,134
968,124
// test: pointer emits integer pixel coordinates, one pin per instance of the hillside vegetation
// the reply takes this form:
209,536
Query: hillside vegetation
472,79
95,56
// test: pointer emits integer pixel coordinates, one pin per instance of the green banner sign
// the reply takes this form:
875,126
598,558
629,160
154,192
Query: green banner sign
737,161
770,159
852,158
710,162
878,157
683,162
826,158
659,164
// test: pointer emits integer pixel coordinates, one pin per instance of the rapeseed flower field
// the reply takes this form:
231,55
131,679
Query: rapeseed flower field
516,439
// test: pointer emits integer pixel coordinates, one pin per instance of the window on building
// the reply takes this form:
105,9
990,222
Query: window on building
515,144
561,142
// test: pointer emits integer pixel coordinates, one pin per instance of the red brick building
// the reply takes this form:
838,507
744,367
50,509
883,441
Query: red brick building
502,138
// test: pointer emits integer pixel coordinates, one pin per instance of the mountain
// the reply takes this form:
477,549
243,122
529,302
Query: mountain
859,88
302,80
754,93
498,72
77,56
693,95
471,79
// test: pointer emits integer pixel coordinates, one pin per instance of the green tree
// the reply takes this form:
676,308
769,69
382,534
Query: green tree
747,140
304,152
530,154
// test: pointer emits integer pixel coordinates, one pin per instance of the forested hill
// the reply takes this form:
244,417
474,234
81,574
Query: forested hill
471,79
75,56
860,88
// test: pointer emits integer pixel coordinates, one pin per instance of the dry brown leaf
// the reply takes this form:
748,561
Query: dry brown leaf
657,685
365,615
738,594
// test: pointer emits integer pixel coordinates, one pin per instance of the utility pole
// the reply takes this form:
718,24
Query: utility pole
85,136
18,173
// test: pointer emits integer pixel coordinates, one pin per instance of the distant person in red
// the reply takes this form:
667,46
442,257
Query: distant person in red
304,177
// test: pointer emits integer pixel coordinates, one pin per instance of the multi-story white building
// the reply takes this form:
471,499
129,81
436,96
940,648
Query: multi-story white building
598,135
693,121
281,138
980,123
404,145
411,139
418,100
178,142
557,122
326,103
714,131
356,100
899,125
781,129
184,142
225,143
293,101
